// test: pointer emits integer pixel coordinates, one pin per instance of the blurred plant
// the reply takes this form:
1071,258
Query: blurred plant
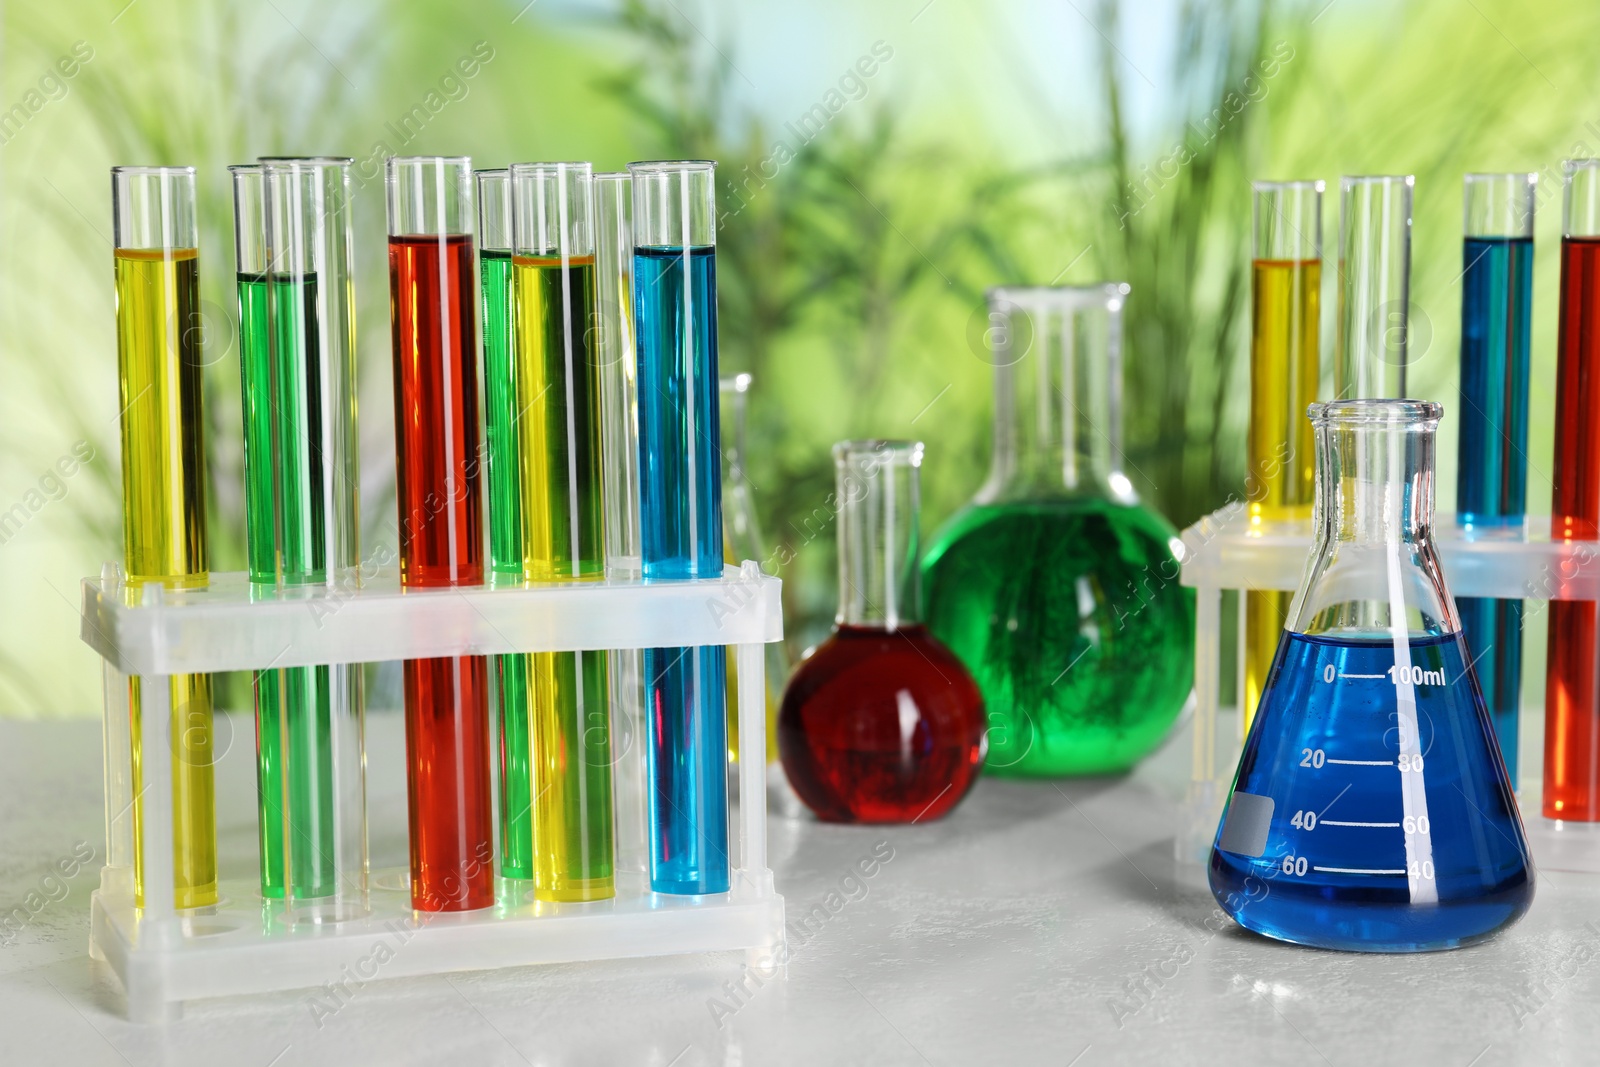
1178,230
818,259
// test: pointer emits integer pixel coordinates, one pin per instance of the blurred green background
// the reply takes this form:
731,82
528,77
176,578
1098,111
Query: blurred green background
1029,142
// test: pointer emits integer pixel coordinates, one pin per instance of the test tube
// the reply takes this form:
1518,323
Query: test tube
1572,714
1285,331
563,534
680,514
1374,287
1492,469
742,540
432,315
614,350
163,484
294,242
512,693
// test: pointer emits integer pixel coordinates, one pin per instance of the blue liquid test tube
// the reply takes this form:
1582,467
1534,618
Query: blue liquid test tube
1492,478
680,515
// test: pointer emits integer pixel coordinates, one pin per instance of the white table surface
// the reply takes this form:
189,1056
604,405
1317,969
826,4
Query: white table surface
1015,931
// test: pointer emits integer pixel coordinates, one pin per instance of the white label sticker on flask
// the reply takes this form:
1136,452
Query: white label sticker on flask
1244,828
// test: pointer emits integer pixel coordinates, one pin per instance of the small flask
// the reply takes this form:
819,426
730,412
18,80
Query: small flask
881,723
1371,810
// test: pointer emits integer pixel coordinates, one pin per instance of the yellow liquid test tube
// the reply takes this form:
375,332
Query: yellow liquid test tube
560,430
1285,331
163,485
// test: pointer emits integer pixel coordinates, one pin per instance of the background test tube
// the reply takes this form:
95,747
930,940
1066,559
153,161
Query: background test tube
512,679
294,241
1285,361
563,519
1572,716
163,483
1374,287
432,314
680,514
614,353
1492,454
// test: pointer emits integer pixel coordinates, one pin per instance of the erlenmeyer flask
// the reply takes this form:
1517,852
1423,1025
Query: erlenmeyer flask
1371,810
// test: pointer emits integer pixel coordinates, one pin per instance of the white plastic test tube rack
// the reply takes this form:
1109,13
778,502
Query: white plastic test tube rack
1223,551
164,956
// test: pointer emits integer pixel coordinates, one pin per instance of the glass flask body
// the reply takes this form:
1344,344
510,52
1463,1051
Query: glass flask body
1055,586
1371,810
881,723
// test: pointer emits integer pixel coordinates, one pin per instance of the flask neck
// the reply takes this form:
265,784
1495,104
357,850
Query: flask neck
1374,569
878,497
1378,483
1057,393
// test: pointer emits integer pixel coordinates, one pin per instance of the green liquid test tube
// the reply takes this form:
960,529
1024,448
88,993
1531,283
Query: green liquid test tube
558,388
297,370
512,695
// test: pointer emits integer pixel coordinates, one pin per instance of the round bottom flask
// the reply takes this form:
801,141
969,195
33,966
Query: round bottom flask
882,723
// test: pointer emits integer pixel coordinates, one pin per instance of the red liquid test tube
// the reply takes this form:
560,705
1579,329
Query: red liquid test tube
1572,698
433,300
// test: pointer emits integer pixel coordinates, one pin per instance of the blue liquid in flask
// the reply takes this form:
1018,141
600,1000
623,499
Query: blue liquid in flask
1357,823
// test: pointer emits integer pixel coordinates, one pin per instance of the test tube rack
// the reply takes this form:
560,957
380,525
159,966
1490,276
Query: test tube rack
1226,551
164,956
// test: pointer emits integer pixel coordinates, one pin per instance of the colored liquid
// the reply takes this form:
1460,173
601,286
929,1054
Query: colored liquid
558,388
1369,815
432,319
441,544
1492,469
686,760
1070,617
447,744
285,523
881,727
1572,688
680,520
164,529
163,455
500,413
512,694
1284,366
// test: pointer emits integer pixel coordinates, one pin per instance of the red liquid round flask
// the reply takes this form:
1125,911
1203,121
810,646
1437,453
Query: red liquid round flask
882,723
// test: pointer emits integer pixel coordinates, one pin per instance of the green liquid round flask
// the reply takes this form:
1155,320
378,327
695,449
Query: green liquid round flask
1055,586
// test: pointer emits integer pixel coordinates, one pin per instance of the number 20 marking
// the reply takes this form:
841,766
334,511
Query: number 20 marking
1312,757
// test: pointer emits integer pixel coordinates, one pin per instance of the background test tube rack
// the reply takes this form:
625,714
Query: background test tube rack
1224,552
163,956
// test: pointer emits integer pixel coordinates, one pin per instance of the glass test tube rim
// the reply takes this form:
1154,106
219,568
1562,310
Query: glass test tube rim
481,179
1570,169
146,171
552,166
1367,411
902,450
306,161
1352,181
1524,183
1312,185
1109,295
456,168
1310,192
670,166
